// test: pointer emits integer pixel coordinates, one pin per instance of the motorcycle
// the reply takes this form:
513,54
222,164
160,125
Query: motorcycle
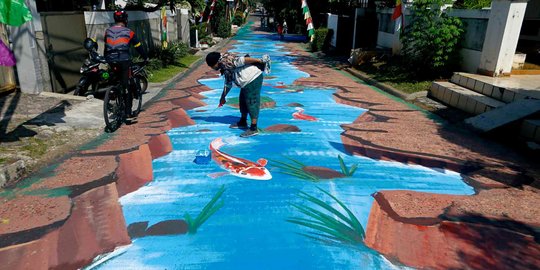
95,72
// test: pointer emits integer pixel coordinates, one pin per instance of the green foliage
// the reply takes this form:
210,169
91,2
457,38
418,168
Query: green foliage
210,209
170,55
163,74
322,39
197,6
154,64
392,71
344,169
431,40
224,28
35,147
239,18
207,40
219,22
328,222
201,28
471,4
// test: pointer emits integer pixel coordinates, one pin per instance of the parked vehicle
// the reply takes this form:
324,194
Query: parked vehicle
95,73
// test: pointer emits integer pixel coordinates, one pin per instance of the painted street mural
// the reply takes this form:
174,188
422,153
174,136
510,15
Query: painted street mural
289,198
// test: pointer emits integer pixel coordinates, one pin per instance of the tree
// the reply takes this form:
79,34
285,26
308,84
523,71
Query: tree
197,6
431,40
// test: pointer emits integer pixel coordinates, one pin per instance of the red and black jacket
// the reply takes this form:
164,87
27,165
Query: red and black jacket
118,39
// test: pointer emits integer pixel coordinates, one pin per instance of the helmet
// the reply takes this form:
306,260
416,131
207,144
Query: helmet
90,44
120,16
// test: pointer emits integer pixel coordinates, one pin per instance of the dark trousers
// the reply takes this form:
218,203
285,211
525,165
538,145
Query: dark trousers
122,70
250,98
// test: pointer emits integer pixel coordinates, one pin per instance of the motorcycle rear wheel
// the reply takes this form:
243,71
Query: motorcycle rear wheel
143,82
137,97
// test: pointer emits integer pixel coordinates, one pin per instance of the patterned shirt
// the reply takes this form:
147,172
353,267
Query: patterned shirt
234,69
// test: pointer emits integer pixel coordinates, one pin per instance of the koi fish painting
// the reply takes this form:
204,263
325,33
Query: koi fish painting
238,166
299,114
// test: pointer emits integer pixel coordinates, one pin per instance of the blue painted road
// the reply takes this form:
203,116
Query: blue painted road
250,231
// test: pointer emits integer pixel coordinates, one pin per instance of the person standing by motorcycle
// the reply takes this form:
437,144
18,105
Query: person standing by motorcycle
118,39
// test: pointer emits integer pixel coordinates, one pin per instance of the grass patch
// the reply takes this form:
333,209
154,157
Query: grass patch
396,76
166,73
328,222
35,147
210,208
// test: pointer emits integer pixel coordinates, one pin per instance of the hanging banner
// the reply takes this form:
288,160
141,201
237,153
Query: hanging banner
309,20
14,12
6,56
163,28
211,10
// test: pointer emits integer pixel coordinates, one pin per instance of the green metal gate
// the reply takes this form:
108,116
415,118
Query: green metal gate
64,33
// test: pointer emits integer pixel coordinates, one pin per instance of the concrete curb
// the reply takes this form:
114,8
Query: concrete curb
11,171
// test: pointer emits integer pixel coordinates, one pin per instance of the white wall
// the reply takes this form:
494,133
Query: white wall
29,51
499,36
385,40
98,21
502,36
333,24
475,25
390,39
470,60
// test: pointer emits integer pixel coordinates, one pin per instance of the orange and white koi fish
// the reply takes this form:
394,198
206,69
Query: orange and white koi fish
299,114
238,166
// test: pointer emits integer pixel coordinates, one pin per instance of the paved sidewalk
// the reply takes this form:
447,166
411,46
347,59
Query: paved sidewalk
38,129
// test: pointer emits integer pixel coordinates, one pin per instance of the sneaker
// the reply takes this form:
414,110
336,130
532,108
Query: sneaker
239,126
249,133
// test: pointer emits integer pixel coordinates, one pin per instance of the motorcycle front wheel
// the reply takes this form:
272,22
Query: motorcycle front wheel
82,89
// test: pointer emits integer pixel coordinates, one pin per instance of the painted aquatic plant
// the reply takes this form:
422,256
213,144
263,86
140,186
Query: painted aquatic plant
344,169
210,209
328,222
295,169
300,170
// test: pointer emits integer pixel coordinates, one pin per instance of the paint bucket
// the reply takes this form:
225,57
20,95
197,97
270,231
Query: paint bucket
202,157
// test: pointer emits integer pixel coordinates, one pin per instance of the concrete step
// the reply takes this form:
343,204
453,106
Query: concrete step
462,98
530,129
503,115
506,89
